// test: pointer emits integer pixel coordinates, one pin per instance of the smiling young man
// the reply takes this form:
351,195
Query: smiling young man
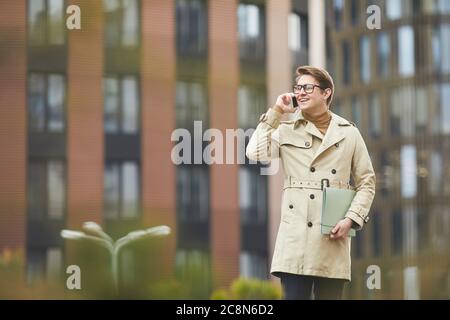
318,144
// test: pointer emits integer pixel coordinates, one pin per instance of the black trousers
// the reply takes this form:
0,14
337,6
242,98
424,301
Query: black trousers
299,287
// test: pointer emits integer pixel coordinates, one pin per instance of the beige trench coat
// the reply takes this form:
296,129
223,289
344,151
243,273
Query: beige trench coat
307,157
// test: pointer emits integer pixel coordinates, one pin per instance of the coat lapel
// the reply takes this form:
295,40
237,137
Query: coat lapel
334,134
312,129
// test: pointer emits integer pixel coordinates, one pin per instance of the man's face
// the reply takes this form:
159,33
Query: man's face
314,100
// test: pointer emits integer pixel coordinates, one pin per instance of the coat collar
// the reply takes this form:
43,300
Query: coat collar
334,134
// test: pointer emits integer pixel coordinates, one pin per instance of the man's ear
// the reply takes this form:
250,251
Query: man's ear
327,93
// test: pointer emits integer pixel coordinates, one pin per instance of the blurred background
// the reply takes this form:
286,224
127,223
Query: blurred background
86,118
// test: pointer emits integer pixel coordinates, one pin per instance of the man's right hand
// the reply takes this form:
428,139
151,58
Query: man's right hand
284,104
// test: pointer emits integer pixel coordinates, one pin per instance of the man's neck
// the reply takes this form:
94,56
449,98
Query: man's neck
316,112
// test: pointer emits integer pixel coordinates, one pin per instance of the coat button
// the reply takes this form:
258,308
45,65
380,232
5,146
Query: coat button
310,224
337,144
291,206
311,196
333,171
307,144
312,169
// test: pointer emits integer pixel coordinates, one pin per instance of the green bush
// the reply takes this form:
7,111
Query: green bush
249,289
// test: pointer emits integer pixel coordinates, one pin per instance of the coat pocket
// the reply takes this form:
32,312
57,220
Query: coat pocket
290,205
303,142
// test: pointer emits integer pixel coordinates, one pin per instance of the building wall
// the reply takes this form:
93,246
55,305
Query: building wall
85,133
223,81
158,118
13,134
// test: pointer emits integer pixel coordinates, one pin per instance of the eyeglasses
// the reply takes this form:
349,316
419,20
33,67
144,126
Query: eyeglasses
309,88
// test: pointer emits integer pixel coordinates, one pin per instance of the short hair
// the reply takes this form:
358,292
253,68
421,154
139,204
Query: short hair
320,75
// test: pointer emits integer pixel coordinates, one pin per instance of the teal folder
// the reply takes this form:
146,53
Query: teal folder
335,203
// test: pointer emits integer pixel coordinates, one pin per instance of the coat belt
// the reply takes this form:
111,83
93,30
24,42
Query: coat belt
292,182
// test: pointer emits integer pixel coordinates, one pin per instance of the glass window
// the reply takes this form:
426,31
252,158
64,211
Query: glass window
441,48
423,226
46,22
54,263
252,196
410,220
112,15
251,104
111,101
130,23
122,190
384,53
36,190
408,156
395,113
56,189
387,176
121,105
443,6
421,111
397,232
56,25
130,105
191,103
192,26
445,108
359,245
376,233
245,189
356,111
35,265
36,102
365,59
436,168
394,9
251,32
346,63
121,23
198,101
402,106
46,102
354,11
294,32
112,191
46,189
298,32
36,22
130,189
193,193
253,265
338,6
56,95
374,115
44,263
406,57
434,107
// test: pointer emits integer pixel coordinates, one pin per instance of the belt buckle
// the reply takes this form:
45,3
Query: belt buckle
321,183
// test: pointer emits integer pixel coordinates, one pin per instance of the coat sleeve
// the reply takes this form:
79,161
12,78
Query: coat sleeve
264,143
365,182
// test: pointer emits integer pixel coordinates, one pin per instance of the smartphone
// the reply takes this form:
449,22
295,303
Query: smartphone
294,101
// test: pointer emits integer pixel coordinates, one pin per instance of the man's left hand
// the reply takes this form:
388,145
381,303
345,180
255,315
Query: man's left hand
341,229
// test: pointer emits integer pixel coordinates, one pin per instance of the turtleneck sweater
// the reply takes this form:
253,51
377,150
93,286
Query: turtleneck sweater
321,121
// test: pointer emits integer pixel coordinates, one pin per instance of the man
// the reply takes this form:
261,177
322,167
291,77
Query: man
318,144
